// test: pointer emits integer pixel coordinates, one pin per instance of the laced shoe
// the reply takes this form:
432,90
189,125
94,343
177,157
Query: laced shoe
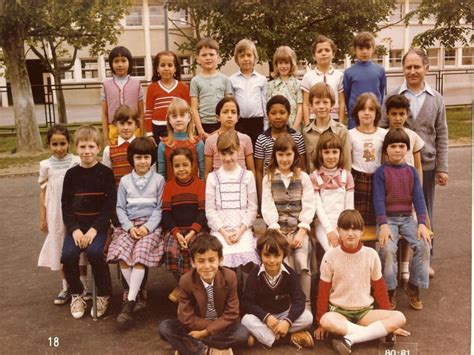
413,293
78,306
63,297
102,304
341,345
125,318
302,339
173,296
141,300
87,295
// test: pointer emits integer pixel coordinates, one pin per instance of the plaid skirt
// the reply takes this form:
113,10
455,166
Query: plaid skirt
147,251
177,260
363,196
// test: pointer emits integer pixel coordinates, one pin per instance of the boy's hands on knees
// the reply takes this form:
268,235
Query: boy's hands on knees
89,236
402,332
320,333
77,235
281,328
199,334
271,322
384,235
298,238
333,239
424,233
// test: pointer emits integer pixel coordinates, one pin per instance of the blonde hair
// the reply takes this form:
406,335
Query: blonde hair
88,133
243,45
285,54
179,107
228,142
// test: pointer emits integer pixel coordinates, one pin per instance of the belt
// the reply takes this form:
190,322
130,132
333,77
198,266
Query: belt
399,214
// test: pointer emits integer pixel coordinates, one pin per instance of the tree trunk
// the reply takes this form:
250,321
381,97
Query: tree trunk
60,97
27,131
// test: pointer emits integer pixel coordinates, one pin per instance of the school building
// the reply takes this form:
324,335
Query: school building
144,34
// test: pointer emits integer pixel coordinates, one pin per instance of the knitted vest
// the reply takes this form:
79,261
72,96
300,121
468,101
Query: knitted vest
287,201
180,144
120,164
116,97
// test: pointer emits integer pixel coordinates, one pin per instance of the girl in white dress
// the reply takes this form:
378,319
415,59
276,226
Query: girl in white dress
51,177
231,205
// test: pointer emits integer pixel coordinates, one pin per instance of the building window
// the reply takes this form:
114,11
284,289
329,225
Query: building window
138,66
433,56
67,75
395,58
468,56
134,18
377,58
179,18
397,13
157,13
185,65
108,71
89,68
450,56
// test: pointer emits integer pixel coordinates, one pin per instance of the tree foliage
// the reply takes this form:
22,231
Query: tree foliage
272,23
64,27
453,22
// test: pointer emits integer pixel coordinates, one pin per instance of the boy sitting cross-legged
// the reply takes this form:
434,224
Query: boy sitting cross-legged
345,304
208,317
273,300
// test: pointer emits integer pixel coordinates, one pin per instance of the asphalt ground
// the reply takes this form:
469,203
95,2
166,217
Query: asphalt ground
30,323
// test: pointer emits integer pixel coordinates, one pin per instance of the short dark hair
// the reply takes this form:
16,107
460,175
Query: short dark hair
328,140
207,43
141,145
360,104
273,242
278,99
418,51
322,39
350,219
58,129
395,135
364,40
225,100
321,91
182,151
397,101
120,51
156,62
124,112
203,243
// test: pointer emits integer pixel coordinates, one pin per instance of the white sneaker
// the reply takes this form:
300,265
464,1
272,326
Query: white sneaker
78,306
102,304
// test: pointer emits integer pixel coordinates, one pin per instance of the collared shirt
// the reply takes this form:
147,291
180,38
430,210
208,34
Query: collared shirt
251,94
141,180
416,100
106,154
332,77
272,280
291,90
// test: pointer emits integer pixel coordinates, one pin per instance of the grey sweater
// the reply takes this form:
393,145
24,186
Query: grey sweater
432,127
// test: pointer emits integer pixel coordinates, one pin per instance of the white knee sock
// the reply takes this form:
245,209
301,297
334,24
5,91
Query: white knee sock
136,279
404,266
372,331
84,281
65,285
126,274
305,282
353,328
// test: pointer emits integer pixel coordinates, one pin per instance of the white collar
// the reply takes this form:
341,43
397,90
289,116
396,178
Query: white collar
282,268
121,141
206,285
330,71
404,87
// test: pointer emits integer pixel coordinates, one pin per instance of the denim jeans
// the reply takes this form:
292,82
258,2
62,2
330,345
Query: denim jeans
174,333
95,256
419,266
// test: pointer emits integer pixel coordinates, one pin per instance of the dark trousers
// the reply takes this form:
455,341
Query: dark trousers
429,183
95,256
211,127
174,333
252,127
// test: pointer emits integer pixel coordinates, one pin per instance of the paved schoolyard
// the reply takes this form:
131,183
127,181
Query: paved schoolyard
30,321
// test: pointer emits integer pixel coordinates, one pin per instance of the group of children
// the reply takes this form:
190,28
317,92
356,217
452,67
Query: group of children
163,193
